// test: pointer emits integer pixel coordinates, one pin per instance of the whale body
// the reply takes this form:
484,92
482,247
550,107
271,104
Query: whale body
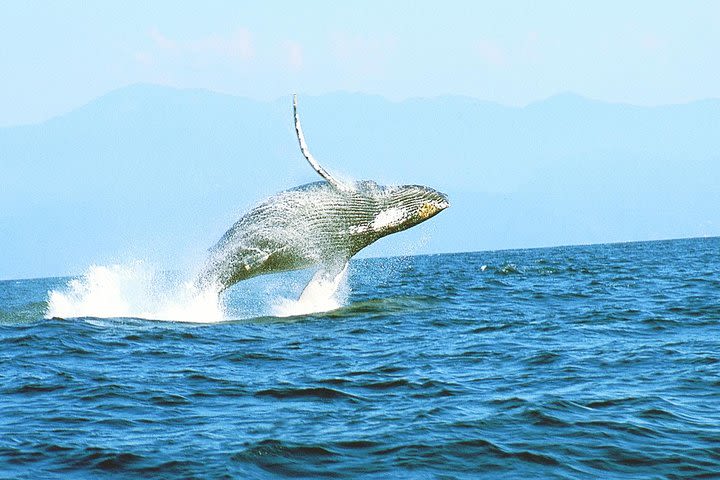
322,223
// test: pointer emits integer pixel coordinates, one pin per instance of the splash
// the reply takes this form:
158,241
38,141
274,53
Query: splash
135,290
322,294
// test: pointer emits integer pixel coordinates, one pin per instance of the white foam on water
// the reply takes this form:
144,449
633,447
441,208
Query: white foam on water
135,290
322,294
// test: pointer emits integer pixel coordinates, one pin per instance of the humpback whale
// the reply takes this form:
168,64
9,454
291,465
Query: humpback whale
322,223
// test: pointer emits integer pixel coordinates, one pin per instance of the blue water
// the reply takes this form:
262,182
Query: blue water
576,362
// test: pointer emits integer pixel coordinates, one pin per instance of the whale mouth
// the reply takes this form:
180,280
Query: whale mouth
441,201
444,203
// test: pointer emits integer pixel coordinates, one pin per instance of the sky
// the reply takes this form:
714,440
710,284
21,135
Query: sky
58,55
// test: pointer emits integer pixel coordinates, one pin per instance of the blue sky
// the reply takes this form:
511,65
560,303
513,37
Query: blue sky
70,195
58,55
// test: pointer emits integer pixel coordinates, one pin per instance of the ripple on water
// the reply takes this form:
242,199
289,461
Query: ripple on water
575,362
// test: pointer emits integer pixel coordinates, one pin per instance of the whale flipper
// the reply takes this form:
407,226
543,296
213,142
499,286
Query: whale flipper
226,267
308,156
255,258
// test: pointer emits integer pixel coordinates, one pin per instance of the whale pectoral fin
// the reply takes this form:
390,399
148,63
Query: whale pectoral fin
308,156
254,259
224,270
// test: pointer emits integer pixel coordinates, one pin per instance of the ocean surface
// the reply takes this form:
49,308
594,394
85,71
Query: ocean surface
577,362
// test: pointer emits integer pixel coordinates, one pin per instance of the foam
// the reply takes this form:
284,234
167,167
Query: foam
322,294
135,290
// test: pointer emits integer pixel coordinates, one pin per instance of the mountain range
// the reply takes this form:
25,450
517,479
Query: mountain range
157,173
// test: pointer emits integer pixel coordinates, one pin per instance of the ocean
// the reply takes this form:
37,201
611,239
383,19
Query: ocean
597,361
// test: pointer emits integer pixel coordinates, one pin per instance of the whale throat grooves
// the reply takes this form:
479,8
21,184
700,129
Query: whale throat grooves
310,225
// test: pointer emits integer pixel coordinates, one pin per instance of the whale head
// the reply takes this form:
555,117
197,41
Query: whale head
404,206
418,203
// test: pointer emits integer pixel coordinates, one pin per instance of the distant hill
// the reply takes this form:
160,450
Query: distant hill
159,173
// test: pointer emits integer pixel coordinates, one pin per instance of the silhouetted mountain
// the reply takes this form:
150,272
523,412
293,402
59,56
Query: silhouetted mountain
160,173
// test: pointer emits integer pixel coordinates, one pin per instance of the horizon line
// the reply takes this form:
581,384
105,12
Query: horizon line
388,257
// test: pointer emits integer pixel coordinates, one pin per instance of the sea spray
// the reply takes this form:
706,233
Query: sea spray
322,294
135,290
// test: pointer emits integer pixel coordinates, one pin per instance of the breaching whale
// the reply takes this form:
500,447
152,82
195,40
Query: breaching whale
322,223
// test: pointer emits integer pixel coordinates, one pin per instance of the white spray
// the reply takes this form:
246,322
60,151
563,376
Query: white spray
137,291
134,290
322,294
